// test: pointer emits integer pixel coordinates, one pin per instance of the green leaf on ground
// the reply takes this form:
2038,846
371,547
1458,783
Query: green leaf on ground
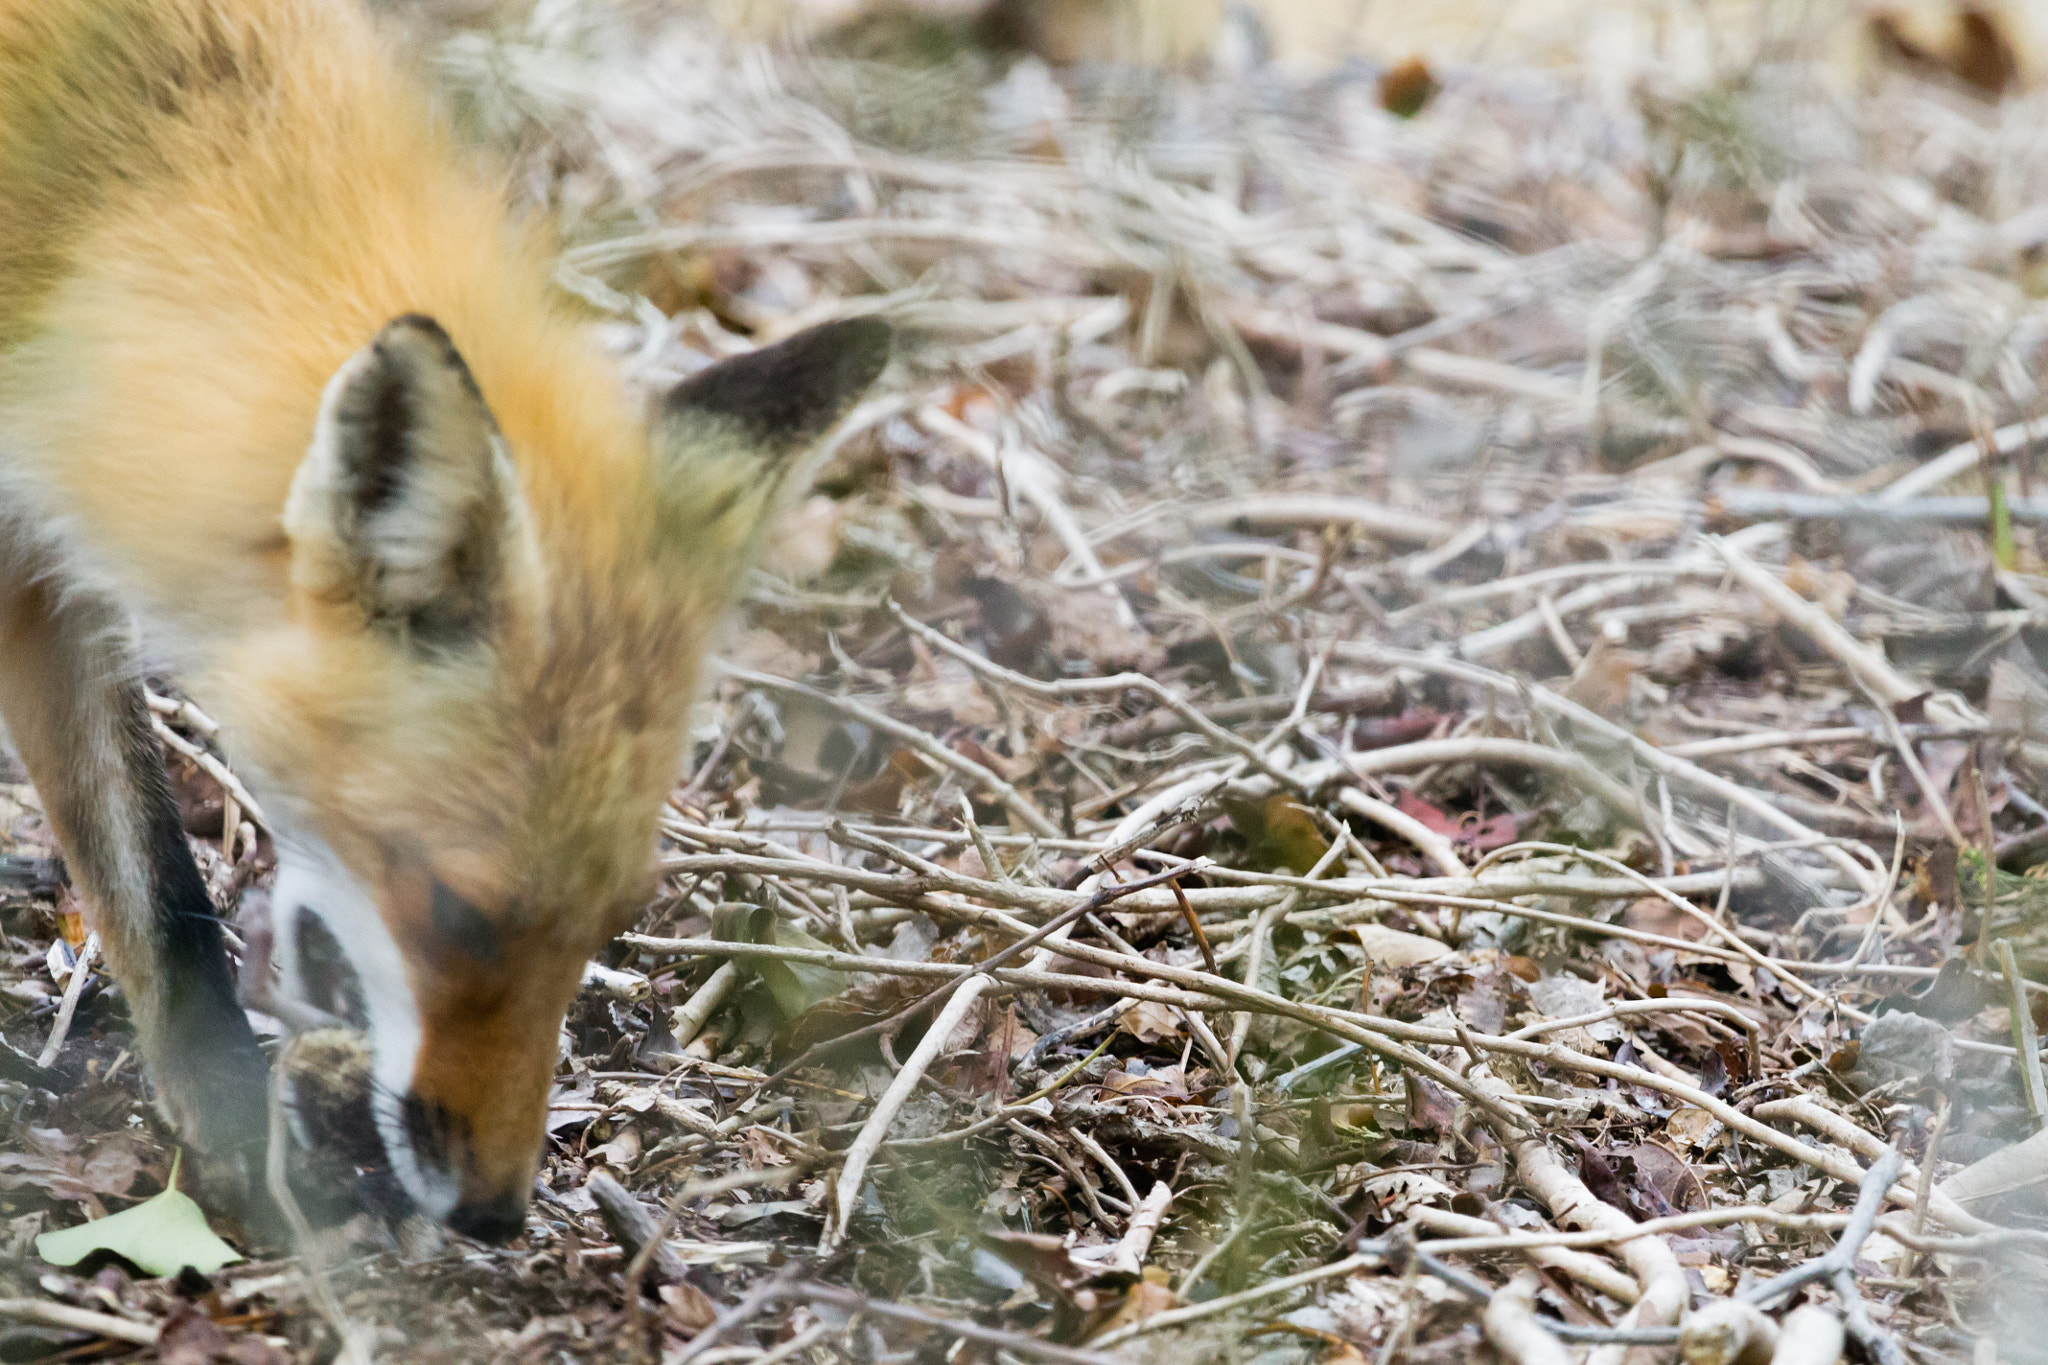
162,1235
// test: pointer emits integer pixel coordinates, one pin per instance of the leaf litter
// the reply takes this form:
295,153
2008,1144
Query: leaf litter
1415,726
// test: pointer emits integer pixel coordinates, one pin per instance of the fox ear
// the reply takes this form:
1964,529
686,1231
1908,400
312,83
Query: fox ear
403,500
780,399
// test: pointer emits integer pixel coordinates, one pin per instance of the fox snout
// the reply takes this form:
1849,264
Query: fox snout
495,1221
461,1049
487,1173
473,1123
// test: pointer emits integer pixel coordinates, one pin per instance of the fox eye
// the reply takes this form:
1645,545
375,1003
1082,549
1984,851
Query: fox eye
462,926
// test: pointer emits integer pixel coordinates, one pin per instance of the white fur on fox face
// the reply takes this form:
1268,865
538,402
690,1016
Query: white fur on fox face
309,877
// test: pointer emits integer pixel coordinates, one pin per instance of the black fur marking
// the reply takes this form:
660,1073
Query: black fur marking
208,1041
788,394
463,927
328,979
380,411
439,1136
380,417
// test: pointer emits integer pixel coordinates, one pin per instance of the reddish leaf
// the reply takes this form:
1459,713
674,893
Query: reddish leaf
1408,803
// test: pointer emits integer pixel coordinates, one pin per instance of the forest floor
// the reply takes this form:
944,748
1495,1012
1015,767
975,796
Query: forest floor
1394,737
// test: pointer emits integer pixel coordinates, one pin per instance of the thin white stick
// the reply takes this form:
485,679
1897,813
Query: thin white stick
1432,845
1511,1326
211,766
73,988
66,1318
1128,1255
1587,1269
846,1193
1961,459
1864,664
689,1018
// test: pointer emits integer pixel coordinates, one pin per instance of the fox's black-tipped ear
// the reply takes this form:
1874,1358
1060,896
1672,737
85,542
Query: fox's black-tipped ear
404,499
783,397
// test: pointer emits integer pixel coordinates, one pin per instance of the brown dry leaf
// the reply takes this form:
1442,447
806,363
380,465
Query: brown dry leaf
1393,948
1431,1107
955,694
1396,1192
1655,915
965,1030
1278,833
1162,1083
882,794
2018,700
1830,589
71,918
1141,1301
54,1178
112,1169
762,1151
621,1152
189,1337
1044,1259
1605,679
1012,769
688,1307
1405,88
766,652
1150,1022
1009,1037
1696,1128
1663,1181
943,685
1087,627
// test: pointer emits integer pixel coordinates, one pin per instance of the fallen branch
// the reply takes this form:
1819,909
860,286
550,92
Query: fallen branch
1512,1329
66,1318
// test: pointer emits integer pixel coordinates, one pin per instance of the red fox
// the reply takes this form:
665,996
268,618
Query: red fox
288,408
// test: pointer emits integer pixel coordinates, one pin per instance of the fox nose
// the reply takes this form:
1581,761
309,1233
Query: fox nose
495,1221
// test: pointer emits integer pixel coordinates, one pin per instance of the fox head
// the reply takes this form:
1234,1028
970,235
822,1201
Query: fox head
474,704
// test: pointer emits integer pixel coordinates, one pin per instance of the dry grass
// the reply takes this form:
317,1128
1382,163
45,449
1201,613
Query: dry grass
1414,685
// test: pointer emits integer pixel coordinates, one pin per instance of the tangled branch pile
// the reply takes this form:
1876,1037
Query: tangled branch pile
1398,733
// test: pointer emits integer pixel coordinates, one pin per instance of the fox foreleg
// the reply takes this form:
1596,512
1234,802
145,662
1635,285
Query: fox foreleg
72,698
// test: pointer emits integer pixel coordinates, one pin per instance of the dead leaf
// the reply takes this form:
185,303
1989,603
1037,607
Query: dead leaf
1406,87
1141,1301
112,1169
1392,948
1663,1183
687,1306
762,1151
189,1337
952,692
1408,803
882,794
1604,681
1484,836
1655,915
1278,833
1396,1192
1165,1083
1150,1022
1696,1128
1088,626
1600,1176
1431,1107
55,1176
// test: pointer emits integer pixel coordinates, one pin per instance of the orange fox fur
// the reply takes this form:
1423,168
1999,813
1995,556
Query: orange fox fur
209,210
